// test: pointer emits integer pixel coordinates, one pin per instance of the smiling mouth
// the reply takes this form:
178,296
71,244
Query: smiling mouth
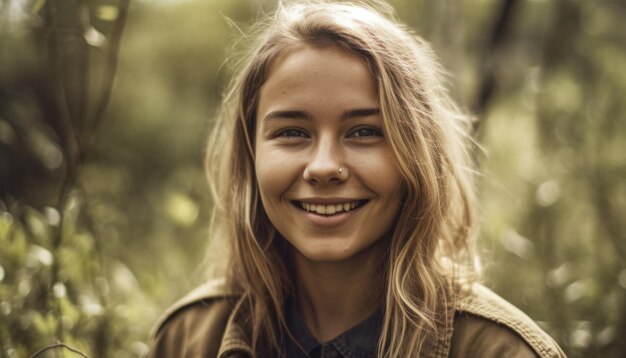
329,209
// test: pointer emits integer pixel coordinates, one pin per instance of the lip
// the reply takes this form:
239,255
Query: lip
327,201
327,220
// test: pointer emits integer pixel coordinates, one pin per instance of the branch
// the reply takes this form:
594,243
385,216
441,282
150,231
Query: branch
67,132
57,346
110,67
488,85
72,142
77,141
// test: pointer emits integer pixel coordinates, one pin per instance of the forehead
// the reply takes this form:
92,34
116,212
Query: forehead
319,46
316,57
310,76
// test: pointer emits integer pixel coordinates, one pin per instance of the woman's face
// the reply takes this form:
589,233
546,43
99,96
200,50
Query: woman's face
327,177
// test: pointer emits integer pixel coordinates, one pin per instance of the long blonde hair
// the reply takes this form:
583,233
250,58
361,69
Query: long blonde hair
430,249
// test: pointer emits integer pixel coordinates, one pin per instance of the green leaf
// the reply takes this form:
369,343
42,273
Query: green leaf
108,12
38,5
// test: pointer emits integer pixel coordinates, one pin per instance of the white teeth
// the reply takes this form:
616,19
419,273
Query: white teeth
329,209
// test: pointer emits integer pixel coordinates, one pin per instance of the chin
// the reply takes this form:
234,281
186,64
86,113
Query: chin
326,256
329,251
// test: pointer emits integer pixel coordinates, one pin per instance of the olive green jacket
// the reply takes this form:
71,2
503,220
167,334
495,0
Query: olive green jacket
203,324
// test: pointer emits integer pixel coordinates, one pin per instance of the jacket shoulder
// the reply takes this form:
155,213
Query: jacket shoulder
210,292
482,315
194,325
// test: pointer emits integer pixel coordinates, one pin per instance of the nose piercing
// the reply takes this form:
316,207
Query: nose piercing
340,170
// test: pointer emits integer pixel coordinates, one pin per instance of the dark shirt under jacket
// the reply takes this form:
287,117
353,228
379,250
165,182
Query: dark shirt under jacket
357,342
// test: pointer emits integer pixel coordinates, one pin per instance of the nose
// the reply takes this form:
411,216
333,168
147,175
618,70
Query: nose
324,165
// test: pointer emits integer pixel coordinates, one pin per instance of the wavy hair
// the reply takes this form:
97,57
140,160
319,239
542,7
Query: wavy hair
430,250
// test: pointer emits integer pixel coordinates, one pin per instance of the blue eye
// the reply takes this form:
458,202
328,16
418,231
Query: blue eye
366,132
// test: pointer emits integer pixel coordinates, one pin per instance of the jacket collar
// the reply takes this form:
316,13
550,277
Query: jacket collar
237,341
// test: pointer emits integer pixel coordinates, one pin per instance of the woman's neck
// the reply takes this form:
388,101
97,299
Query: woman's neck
334,296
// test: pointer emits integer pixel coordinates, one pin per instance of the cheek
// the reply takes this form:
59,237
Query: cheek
273,174
381,174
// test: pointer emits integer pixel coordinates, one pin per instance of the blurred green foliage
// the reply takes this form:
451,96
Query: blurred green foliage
98,236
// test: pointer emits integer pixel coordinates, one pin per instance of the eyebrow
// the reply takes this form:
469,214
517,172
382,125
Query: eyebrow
359,112
287,115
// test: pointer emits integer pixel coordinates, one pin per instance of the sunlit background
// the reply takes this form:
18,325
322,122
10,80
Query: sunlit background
104,207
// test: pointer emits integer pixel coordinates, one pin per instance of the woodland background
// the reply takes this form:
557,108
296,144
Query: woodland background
105,106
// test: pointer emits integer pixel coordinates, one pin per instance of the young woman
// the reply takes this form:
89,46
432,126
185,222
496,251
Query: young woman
343,185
